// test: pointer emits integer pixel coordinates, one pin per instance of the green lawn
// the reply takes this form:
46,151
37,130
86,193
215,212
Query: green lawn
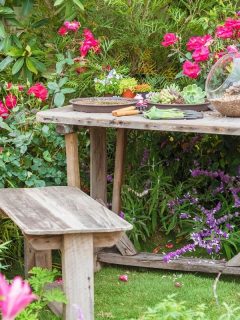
119,300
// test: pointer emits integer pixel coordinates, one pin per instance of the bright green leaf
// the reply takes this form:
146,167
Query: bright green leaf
30,65
47,156
38,64
27,7
58,2
79,4
2,30
62,81
17,65
68,90
5,62
15,52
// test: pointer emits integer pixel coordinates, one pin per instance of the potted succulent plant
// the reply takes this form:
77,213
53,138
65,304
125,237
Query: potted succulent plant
143,89
192,97
127,87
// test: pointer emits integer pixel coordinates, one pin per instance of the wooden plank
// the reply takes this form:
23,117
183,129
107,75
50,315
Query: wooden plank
58,210
234,262
43,259
212,122
125,246
73,174
107,239
155,261
45,242
98,164
119,169
29,257
78,275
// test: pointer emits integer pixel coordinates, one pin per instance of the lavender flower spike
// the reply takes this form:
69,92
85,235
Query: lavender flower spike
175,254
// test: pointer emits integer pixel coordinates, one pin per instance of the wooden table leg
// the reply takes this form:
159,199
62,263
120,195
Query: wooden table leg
98,165
125,246
77,264
73,174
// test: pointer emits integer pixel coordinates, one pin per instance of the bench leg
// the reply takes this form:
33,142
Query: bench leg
33,258
77,264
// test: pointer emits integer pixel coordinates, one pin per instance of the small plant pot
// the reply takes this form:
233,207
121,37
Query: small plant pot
227,106
128,94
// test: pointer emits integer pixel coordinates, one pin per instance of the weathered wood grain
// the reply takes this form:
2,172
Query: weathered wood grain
155,261
58,210
73,174
212,122
119,169
77,263
234,262
98,164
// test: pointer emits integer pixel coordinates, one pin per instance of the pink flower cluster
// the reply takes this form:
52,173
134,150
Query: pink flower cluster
200,46
10,101
89,43
69,26
15,297
39,91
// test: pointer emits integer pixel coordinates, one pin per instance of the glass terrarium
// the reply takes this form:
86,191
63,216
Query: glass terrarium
223,85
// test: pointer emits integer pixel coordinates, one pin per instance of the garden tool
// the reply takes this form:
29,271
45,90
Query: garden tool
130,111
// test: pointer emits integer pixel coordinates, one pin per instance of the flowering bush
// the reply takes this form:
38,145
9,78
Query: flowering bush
203,51
213,218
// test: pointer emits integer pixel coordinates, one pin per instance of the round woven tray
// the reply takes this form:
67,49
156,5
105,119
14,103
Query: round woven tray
229,107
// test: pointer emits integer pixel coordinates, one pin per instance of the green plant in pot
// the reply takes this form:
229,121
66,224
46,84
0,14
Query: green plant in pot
193,94
127,87
108,85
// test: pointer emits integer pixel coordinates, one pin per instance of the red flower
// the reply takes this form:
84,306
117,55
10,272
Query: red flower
195,43
169,39
39,91
20,87
219,55
4,113
232,49
62,31
201,54
9,86
224,32
191,69
169,245
123,278
10,101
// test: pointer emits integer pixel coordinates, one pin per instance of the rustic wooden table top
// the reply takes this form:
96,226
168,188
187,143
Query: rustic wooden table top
212,122
58,210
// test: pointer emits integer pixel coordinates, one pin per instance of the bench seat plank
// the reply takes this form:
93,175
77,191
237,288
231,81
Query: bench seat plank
58,210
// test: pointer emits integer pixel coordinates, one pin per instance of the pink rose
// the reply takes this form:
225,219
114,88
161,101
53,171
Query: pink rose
169,39
123,278
73,26
89,43
62,31
201,54
232,23
191,69
195,43
223,32
4,113
232,49
10,101
39,91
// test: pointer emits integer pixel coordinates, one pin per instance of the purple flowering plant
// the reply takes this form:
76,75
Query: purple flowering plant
209,214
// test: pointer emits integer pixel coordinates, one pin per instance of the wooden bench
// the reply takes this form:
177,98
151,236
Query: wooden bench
65,218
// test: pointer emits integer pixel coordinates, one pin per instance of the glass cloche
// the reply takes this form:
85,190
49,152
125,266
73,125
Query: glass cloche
223,85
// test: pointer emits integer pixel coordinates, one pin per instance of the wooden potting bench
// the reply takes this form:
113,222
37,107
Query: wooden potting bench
69,122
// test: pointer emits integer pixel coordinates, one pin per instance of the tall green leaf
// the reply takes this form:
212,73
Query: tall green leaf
79,4
30,65
58,2
17,65
27,7
5,62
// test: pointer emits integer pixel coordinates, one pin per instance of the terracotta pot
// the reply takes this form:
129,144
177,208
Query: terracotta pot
128,94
